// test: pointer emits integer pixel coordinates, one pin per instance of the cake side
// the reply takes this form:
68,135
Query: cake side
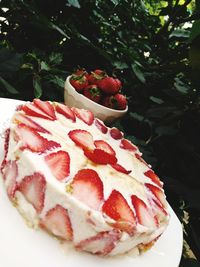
82,181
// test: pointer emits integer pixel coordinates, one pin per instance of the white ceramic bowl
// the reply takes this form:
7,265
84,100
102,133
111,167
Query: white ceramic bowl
73,99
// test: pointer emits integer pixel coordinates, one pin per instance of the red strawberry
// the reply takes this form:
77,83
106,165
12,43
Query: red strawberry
121,101
84,115
21,118
79,80
120,168
59,163
6,142
57,222
117,208
82,138
119,83
126,144
33,188
100,156
100,244
33,140
109,102
101,126
158,194
10,173
143,214
65,111
100,144
109,85
32,110
116,133
92,92
88,188
154,178
46,107
95,76
80,72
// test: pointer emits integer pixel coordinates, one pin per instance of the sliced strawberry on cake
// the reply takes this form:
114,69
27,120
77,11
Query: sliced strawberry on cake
57,222
65,111
33,188
87,187
59,164
117,208
32,140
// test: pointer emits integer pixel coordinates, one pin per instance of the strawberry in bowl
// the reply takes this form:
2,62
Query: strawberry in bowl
97,92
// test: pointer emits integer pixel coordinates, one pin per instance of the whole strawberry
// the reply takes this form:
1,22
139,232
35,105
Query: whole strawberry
93,93
79,80
95,76
121,101
117,101
109,85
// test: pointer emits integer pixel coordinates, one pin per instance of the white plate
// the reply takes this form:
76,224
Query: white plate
21,246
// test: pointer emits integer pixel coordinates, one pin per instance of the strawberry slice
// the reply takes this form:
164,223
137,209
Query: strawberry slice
143,214
126,144
65,111
21,118
158,194
88,188
117,208
84,115
32,110
57,222
141,159
154,178
101,126
46,107
120,168
100,144
82,138
59,163
100,156
116,133
33,140
33,188
9,174
6,142
101,244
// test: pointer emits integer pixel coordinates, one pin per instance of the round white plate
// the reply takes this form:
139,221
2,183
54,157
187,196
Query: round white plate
21,246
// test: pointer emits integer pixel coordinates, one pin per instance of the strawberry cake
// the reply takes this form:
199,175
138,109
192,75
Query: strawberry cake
81,181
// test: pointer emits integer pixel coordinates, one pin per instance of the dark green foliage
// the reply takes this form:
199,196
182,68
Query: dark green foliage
149,47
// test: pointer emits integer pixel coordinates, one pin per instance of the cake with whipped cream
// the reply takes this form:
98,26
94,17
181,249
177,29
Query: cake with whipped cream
81,181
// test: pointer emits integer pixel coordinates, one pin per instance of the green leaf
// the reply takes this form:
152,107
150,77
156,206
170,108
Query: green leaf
180,86
8,87
57,80
156,100
195,32
58,29
138,73
115,2
180,33
120,65
44,66
74,3
37,86
55,58
136,116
